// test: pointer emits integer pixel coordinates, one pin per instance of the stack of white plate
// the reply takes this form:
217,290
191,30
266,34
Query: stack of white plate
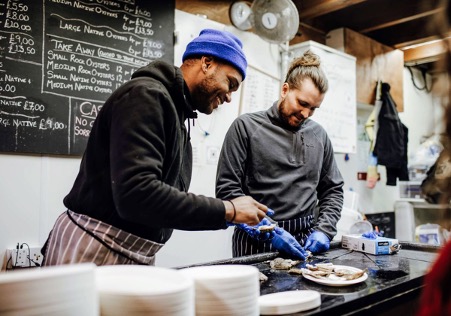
225,290
144,290
289,302
60,290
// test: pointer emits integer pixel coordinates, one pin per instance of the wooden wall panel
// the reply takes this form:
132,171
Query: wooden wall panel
375,61
217,10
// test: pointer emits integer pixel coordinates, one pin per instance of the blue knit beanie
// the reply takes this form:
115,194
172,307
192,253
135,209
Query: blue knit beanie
220,44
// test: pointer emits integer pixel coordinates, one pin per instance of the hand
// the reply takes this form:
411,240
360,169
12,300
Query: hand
317,242
254,232
285,242
244,210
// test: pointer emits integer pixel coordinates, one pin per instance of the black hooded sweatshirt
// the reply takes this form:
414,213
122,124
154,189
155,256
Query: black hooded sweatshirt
136,169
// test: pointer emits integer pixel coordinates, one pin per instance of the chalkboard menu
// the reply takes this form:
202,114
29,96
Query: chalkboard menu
61,59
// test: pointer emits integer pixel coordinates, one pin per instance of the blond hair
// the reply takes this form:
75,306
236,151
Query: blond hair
307,66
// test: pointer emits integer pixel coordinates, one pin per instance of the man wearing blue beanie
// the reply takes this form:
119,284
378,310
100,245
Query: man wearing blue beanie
132,187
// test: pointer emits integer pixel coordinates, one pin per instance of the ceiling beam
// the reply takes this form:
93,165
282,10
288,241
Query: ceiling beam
402,20
428,52
309,9
415,42
408,33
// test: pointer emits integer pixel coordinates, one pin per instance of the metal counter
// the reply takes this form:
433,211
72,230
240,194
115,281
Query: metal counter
394,282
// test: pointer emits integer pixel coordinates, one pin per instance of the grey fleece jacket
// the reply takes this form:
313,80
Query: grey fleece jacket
137,166
290,171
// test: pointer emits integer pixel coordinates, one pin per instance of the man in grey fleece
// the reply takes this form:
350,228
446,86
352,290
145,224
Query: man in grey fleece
285,161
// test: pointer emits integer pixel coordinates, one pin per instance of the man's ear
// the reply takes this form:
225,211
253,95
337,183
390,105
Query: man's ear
206,62
285,89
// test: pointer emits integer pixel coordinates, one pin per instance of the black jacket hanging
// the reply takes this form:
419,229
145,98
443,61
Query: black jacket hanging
391,140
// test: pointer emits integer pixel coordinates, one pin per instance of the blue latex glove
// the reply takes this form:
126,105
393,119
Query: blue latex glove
317,242
285,242
270,212
372,234
254,232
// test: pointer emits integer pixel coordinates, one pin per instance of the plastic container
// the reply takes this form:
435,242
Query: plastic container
360,227
431,234
410,190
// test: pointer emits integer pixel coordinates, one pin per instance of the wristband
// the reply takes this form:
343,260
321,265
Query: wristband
234,211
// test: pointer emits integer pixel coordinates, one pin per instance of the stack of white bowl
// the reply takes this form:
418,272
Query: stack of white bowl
60,290
226,290
144,290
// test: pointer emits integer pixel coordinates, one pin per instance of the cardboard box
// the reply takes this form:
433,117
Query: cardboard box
378,246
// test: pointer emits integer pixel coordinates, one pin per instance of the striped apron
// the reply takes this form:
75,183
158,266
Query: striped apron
77,238
244,245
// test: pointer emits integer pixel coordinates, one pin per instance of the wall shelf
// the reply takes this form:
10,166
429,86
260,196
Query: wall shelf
421,203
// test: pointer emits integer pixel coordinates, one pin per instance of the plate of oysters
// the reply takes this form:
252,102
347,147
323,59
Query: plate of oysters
331,275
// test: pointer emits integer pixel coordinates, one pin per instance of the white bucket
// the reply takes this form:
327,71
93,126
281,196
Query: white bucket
404,221
348,218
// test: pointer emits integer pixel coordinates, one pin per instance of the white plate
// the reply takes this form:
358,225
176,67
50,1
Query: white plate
144,290
248,311
288,302
333,280
209,290
48,288
223,276
140,280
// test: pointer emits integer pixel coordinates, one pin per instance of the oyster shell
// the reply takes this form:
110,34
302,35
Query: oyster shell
319,274
295,271
327,267
263,278
266,228
348,274
283,264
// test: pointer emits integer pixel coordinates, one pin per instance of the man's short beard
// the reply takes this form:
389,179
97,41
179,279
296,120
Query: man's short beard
286,118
